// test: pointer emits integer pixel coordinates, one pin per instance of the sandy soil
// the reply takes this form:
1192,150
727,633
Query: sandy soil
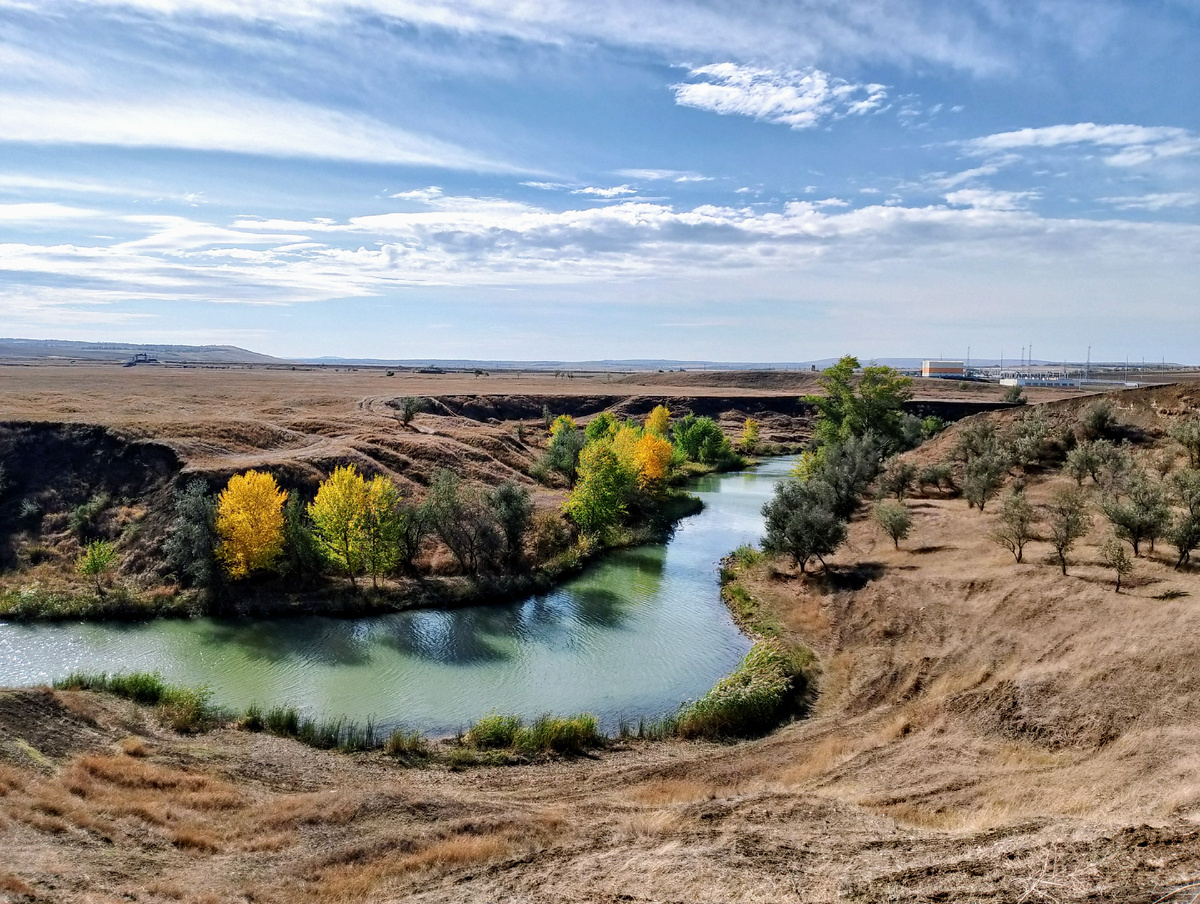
985,731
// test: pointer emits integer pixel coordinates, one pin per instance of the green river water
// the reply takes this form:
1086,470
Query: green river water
635,636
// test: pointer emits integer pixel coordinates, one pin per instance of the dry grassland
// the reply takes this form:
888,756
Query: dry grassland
985,731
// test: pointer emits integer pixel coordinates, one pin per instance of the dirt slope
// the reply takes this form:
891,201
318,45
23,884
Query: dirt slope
986,731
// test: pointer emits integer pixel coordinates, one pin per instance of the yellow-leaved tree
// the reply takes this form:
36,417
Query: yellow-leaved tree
337,514
652,460
624,445
250,523
562,422
658,421
379,528
749,435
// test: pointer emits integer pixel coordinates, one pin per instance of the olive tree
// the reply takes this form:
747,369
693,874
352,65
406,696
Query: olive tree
894,519
802,522
1014,527
1067,520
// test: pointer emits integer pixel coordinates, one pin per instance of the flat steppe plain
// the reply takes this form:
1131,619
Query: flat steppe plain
984,731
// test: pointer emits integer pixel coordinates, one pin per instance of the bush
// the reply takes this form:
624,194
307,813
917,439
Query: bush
802,521
1144,516
546,734
83,518
1113,554
192,537
562,455
1013,395
494,731
701,440
846,469
301,552
465,521
602,426
513,509
894,519
982,479
98,559
1014,529
748,701
897,478
408,408
936,476
548,536
932,426
1098,421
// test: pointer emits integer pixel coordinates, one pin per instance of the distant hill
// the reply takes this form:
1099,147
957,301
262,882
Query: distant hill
47,350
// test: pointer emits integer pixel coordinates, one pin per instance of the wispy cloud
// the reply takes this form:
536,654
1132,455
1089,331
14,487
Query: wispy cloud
988,199
1156,200
663,175
615,191
799,99
237,124
1131,144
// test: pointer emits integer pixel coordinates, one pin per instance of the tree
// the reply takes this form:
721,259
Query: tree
801,522
1184,533
1026,441
1187,434
1113,554
466,523
1098,420
1014,527
602,426
658,421
701,440
97,559
600,497
566,444
982,479
513,508
749,438
1085,460
336,513
936,476
378,528
847,469
413,526
848,409
249,523
192,537
561,423
1143,516
895,520
897,478
652,460
301,553
1068,520
408,408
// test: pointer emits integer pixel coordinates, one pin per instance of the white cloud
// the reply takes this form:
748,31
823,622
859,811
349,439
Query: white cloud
547,186
614,192
1132,144
1156,201
663,175
799,99
988,199
43,212
238,124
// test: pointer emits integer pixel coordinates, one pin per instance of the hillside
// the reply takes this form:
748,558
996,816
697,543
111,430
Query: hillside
29,351
984,731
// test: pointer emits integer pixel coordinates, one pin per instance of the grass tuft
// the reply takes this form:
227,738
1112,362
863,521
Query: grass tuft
185,709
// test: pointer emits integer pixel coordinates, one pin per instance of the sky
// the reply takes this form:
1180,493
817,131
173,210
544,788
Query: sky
763,180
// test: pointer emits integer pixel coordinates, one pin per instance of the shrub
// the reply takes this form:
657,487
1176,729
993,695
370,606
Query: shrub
301,551
894,519
1013,395
408,408
748,701
548,536
1067,518
1144,516
466,523
1026,441
1086,460
931,426
1187,433
98,559
30,509
1113,554
1184,535
494,731
1014,528
982,479
562,455
802,522
1098,421
192,537
249,522
897,478
83,518
846,469
701,440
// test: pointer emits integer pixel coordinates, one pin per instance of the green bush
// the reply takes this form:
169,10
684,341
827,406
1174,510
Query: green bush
494,731
546,734
185,708
748,701
83,517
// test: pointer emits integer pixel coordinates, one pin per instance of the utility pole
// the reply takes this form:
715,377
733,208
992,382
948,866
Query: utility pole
1087,373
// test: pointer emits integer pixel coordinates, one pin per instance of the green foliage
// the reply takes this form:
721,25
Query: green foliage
894,519
1098,420
548,536
83,518
745,556
1186,432
1086,460
464,520
378,528
513,508
602,426
600,499
339,734
301,552
1067,519
982,478
1013,395
802,521
1015,527
546,734
414,522
562,455
406,745
30,510
1025,443
749,439
701,439
408,408
846,469
938,476
192,537
872,405
1143,516
336,514
98,559
746,702
1184,535
494,731
1115,556
897,478
932,426
184,708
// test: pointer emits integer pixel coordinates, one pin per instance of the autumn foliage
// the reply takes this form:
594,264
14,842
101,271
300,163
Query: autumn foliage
652,459
659,421
249,523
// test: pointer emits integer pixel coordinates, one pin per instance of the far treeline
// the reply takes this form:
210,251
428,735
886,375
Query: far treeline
360,531
861,432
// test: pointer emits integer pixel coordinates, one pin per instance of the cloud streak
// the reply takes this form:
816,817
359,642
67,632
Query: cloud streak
799,99
1131,144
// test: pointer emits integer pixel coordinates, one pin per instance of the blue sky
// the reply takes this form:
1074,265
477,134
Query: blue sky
753,181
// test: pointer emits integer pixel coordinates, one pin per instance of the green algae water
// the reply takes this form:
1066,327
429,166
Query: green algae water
633,637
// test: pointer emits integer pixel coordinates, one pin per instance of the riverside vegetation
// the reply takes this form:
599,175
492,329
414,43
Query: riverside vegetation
256,545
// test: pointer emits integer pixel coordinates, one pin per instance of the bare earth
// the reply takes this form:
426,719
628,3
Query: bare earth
985,731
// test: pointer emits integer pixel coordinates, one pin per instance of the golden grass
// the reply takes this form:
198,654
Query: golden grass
15,885
134,746
665,791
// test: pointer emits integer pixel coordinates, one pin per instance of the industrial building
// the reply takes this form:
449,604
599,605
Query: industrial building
947,369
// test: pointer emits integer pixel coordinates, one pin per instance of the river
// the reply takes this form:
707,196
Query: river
634,636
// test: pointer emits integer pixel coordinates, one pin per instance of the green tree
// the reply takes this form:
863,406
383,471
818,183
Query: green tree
602,426
983,478
98,559
408,408
749,438
1187,433
513,508
562,455
897,478
801,522
846,469
894,519
378,528
191,541
1143,516
1114,555
464,520
702,440
336,513
600,498
1015,526
872,404
1068,521
301,553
